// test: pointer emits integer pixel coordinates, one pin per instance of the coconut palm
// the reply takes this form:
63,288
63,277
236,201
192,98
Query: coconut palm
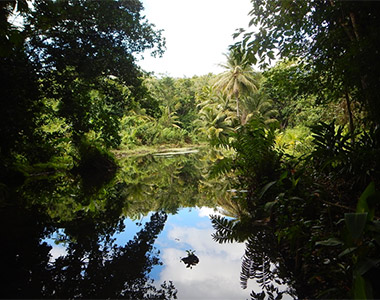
215,124
238,79
215,116
258,105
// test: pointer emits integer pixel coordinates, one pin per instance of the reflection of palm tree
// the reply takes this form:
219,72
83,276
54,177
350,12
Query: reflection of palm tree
262,263
232,205
157,183
191,259
238,79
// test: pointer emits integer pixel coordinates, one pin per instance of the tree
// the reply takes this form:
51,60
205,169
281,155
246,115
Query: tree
335,39
258,105
215,116
80,43
300,96
238,79
79,54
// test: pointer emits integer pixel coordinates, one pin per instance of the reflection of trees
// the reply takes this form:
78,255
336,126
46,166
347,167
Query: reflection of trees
261,260
23,258
153,183
103,270
94,266
143,184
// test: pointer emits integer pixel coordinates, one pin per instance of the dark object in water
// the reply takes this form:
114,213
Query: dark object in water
191,259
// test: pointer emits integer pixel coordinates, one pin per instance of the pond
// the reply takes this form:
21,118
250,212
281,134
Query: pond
160,228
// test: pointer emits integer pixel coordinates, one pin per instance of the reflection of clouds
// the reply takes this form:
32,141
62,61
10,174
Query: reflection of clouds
201,241
217,276
57,251
207,211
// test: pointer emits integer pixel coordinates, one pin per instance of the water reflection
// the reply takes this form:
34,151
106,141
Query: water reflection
91,266
217,274
128,238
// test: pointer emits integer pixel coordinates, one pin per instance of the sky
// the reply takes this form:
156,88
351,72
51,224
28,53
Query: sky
197,32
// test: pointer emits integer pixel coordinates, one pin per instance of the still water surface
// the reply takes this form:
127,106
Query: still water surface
216,276
65,239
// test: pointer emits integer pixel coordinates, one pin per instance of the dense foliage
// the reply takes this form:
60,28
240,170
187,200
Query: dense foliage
314,185
334,39
69,72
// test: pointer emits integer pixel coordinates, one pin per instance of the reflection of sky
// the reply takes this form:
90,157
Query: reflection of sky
217,276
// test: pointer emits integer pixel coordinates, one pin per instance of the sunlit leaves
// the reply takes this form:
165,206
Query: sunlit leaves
238,79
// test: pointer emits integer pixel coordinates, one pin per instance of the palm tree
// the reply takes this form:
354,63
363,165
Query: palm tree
169,119
215,124
215,116
238,79
259,106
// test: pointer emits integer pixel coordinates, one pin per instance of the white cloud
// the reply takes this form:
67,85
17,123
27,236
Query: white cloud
57,251
197,33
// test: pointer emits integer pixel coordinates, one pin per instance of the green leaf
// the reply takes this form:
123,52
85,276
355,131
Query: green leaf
271,54
365,265
330,242
268,206
355,223
359,288
347,251
362,205
283,176
265,188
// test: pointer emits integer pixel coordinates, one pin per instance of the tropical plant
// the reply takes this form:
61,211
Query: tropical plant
258,105
335,39
295,141
216,125
169,118
239,78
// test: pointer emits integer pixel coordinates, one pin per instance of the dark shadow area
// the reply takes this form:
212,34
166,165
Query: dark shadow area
93,266
96,168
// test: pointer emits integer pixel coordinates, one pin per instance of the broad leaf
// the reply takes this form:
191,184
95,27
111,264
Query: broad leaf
330,242
347,251
355,223
359,288
362,203
365,265
265,188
